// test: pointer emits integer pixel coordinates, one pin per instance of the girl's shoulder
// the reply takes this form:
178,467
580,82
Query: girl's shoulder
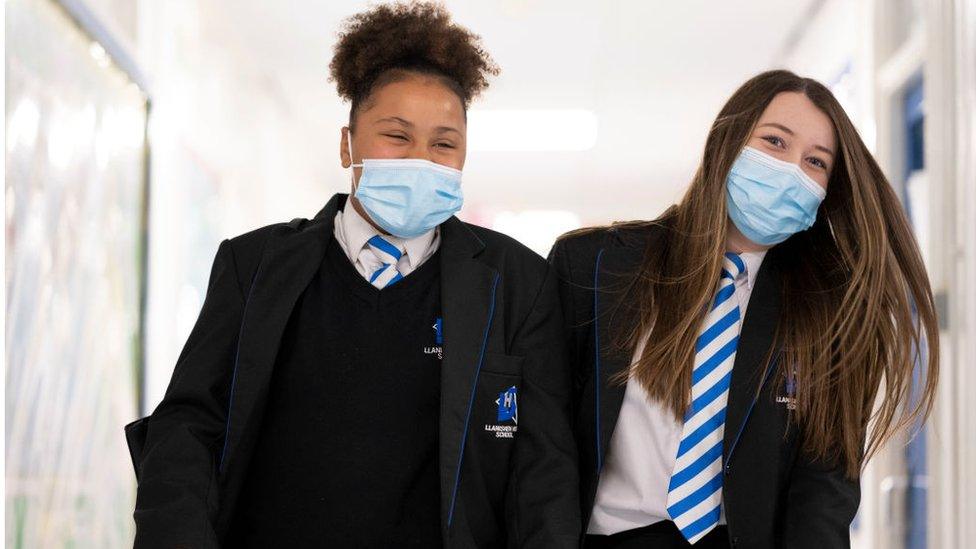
616,234
577,253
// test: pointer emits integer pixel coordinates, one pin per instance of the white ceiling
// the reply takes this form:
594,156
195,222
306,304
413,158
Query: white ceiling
654,73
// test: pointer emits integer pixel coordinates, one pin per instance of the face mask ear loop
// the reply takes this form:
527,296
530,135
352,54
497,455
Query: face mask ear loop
352,173
351,164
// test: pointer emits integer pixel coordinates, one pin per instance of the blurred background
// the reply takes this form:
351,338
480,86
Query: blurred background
140,133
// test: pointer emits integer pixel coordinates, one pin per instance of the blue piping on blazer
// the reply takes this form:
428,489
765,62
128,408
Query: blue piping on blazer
474,387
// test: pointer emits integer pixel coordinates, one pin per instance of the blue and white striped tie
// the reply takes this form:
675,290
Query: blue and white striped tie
695,491
389,255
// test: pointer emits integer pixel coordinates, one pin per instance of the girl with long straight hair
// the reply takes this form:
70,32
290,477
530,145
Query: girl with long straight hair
740,358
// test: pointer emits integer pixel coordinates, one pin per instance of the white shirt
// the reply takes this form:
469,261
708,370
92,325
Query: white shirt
352,232
633,488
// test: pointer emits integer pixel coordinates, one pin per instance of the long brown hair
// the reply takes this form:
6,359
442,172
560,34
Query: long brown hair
857,304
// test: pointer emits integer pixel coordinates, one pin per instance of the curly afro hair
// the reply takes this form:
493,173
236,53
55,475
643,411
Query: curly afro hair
390,41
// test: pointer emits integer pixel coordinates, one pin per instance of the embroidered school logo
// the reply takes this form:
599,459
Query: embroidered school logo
507,403
790,398
438,348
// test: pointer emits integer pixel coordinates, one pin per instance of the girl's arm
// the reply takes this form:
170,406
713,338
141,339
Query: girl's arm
821,504
177,498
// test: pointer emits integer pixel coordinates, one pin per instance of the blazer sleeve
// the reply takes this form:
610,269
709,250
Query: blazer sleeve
821,503
545,473
177,499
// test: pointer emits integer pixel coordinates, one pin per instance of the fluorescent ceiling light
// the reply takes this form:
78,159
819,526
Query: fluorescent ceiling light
531,130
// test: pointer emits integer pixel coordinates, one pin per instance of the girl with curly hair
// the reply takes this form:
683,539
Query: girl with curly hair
383,375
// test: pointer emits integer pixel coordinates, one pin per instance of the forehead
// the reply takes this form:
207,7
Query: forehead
420,99
795,111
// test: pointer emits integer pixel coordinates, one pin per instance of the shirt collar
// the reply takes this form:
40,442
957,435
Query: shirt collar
753,261
357,231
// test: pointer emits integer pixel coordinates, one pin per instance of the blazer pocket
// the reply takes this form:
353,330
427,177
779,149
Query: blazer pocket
497,363
496,413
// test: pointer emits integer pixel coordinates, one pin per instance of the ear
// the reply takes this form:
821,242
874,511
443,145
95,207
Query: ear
344,157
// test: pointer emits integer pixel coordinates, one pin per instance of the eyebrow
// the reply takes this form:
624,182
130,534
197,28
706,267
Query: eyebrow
397,120
408,124
790,132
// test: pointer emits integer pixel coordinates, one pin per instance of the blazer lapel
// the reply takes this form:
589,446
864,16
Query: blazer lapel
616,266
290,260
468,293
755,340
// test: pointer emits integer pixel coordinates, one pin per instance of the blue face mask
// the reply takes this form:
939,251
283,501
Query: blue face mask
408,196
770,200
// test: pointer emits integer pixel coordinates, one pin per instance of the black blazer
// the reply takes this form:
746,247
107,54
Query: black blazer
773,496
502,327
